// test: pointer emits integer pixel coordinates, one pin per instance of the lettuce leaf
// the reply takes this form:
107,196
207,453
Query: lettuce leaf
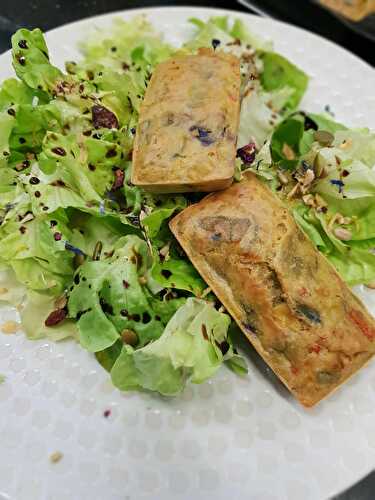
215,29
354,259
111,295
14,92
219,28
257,119
12,291
279,73
36,309
127,42
6,126
31,60
39,261
178,273
325,122
190,348
288,133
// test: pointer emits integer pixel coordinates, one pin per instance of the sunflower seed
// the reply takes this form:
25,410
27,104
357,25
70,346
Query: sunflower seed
342,234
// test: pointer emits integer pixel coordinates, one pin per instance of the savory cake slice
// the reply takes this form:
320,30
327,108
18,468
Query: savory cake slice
188,123
285,296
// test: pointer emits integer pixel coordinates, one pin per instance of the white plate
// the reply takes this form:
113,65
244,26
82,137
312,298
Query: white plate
229,438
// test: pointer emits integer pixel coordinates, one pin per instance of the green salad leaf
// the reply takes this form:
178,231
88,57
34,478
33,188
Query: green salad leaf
127,42
353,259
38,259
325,122
31,60
279,73
192,347
111,295
260,113
221,29
6,126
286,142
36,309
294,137
14,93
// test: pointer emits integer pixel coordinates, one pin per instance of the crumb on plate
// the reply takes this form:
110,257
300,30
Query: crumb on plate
10,327
55,457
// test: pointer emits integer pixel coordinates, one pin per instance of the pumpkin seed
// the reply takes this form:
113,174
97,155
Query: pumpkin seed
78,260
97,251
282,177
129,337
324,137
320,167
342,234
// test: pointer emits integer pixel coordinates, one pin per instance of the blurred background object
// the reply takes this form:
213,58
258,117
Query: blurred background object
357,15
312,15
355,10
307,14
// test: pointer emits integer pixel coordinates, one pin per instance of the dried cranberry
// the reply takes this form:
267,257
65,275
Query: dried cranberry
56,317
247,153
59,151
103,117
119,179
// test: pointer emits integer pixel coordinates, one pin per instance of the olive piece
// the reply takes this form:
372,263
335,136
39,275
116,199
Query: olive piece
324,137
78,260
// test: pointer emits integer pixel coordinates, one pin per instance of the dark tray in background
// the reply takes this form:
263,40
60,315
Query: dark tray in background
47,14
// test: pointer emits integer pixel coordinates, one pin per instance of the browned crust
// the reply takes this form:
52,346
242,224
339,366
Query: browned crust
214,185
344,339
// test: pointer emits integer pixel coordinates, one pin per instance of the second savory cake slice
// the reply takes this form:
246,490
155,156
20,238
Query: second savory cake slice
285,296
188,123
